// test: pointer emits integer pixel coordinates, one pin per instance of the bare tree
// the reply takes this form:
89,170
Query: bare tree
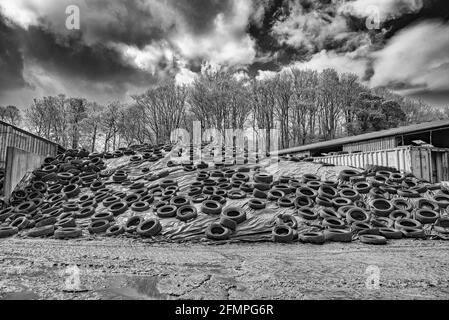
109,124
91,126
76,111
283,95
263,101
164,109
48,118
219,100
11,114
304,107
329,102
133,127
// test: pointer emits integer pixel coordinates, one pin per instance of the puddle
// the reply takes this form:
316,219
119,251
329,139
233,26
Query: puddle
133,288
21,295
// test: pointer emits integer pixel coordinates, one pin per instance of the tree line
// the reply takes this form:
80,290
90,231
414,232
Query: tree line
11,114
305,106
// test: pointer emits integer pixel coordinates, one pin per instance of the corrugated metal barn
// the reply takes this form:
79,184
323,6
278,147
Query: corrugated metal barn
15,137
398,148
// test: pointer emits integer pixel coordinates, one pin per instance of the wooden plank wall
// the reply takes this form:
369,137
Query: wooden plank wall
371,145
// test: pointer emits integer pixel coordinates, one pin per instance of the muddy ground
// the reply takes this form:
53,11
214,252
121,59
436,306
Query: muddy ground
127,269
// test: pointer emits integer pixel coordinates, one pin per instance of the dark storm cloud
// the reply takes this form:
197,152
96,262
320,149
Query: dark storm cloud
88,54
136,23
11,62
130,23
266,42
133,43
200,14
262,31
72,57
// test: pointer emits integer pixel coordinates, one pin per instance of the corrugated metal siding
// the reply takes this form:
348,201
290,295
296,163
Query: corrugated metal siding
371,145
10,136
430,164
398,158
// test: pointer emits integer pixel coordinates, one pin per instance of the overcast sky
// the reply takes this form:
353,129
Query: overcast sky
125,46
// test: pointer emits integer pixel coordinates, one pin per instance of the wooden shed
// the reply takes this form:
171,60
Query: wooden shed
393,147
435,133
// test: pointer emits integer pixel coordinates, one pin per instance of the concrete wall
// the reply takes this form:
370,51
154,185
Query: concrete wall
18,163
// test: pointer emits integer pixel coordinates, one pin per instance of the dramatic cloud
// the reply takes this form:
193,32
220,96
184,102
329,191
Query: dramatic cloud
309,29
383,9
126,46
227,43
415,57
11,62
343,63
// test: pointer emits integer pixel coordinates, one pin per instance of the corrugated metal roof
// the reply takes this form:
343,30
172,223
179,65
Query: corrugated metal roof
28,133
415,128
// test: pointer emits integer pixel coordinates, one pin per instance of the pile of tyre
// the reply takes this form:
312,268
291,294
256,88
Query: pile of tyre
75,193
371,206
69,188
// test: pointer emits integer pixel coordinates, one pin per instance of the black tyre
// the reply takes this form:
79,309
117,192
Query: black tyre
44,231
115,230
373,239
140,206
312,237
234,213
186,213
68,233
283,234
149,228
338,235
211,207
216,231
8,231
118,208
167,211
132,223
426,216
256,204
99,226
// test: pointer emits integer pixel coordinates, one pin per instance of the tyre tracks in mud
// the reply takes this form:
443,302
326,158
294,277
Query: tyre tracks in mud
408,270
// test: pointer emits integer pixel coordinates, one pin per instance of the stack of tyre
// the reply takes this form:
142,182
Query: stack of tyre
55,200
74,192
371,206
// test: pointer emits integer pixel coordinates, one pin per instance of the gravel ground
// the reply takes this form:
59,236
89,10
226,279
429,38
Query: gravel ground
127,269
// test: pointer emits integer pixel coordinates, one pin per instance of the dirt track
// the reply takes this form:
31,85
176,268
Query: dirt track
124,269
